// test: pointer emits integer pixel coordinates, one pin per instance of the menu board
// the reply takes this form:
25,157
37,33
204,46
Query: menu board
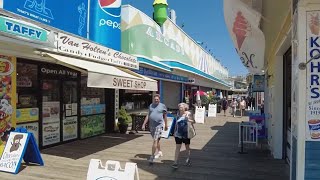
31,128
13,152
51,123
50,133
70,128
51,111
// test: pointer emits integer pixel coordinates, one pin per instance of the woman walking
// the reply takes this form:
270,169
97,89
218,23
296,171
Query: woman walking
234,105
181,133
242,107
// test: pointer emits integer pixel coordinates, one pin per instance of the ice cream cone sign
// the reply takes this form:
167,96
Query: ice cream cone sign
314,24
241,29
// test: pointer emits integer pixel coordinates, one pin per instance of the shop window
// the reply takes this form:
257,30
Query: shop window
51,91
93,108
92,99
136,100
27,85
27,113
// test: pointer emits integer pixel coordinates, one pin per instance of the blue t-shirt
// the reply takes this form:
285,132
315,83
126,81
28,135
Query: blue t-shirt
156,112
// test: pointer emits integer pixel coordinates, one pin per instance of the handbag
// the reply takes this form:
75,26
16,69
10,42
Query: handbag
191,131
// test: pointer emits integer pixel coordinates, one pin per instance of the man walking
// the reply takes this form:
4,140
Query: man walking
224,105
157,118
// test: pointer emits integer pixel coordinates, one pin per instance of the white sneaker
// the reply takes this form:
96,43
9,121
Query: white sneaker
158,155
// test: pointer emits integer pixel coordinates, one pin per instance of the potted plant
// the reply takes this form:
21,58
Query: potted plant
213,99
123,120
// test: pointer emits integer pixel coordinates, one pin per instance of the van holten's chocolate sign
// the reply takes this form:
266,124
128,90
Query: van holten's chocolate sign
86,49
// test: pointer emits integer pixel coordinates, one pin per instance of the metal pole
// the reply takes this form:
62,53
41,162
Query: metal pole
241,140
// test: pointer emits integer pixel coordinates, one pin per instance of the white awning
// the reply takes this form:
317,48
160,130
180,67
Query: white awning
105,76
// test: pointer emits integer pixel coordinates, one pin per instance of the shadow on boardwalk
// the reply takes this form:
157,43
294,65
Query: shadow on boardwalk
219,159
79,149
214,156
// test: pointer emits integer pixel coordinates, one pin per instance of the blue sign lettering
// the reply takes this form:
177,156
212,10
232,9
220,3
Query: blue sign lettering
20,29
314,42
162,75
70,16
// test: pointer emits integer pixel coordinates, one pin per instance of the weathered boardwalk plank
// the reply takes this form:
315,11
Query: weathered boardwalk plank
214,156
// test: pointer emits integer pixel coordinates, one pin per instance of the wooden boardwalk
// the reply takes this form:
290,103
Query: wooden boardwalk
214,156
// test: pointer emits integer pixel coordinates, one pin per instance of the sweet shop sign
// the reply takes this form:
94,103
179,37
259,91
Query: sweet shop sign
313,77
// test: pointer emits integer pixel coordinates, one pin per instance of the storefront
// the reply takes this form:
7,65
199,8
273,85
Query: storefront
48,101
170,86
93,110
65,92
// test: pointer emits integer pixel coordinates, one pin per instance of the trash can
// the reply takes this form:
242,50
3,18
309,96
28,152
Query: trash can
137,122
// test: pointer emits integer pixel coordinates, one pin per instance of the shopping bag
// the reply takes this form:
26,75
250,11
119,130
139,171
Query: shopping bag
191,131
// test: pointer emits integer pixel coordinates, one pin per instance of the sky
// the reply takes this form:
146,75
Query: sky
204,22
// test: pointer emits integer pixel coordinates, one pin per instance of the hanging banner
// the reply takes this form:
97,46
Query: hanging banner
243,25
258,83
8,101
313,77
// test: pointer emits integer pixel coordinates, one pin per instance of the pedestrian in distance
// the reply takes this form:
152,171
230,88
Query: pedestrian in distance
181,133
224,105
234,105
157,118
242,107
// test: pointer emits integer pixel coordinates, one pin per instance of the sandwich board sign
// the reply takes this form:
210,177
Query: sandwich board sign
20,144
212,111
171,124
112,171
199,115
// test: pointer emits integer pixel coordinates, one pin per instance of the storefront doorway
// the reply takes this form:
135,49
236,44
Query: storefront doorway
60,104
287,74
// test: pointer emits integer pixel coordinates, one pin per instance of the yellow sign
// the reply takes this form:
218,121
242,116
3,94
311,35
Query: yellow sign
27,115
8,75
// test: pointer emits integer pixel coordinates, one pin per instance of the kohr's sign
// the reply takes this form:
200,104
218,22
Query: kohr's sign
67,15
15,28
313,77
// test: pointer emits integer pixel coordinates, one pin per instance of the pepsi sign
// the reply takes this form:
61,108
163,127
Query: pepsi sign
105,23
111,7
